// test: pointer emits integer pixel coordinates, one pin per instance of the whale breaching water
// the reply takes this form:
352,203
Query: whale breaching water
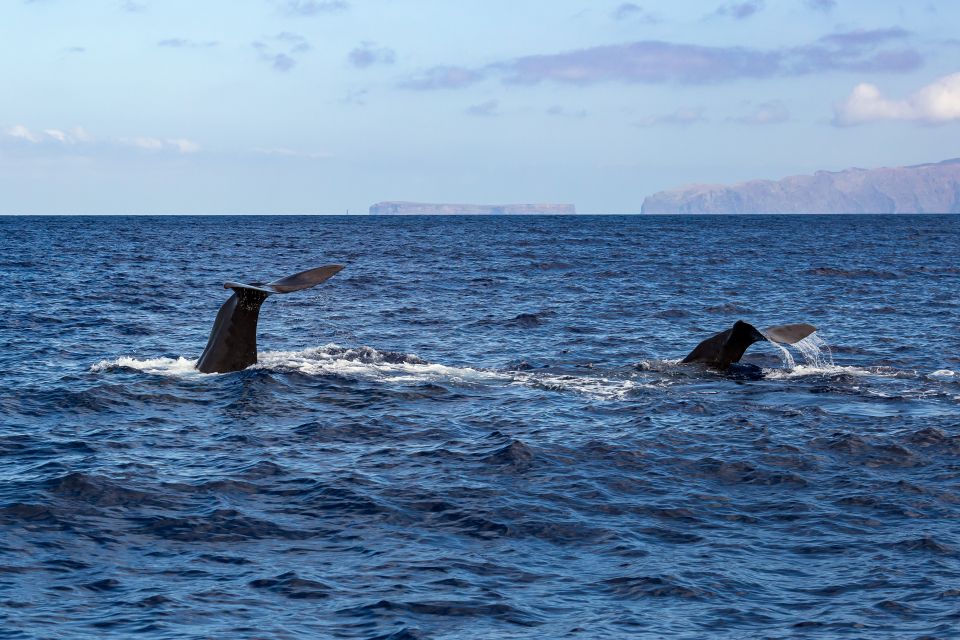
233,340
721,350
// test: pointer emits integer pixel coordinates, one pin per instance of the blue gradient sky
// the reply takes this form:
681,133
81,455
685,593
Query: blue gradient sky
309,106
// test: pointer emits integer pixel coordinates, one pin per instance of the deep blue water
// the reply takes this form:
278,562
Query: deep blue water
478,429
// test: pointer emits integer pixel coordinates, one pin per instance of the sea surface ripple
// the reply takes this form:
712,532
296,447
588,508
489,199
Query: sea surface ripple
479,429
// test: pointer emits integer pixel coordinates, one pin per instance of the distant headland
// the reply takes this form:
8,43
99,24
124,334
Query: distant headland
433,209
924,188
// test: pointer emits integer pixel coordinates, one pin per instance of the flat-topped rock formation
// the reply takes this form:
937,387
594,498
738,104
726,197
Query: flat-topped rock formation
924,188
426,208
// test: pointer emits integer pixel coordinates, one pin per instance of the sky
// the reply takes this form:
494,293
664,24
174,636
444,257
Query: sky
327,106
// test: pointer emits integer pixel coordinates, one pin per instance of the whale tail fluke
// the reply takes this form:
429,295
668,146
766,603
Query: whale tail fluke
788,333
721,350
232,345
296,282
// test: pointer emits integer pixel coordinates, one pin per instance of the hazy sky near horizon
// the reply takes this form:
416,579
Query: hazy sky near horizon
320,106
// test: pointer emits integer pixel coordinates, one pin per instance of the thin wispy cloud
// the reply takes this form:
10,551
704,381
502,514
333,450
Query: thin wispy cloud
356,97
185,43
368,54
771,112
307,8
563,112
443,77
60,136
280,50
865,37
75,49
826,6
934,104
657,62
487,109
740,10
180,145
286,152
79,139
132,6
633,12
683,117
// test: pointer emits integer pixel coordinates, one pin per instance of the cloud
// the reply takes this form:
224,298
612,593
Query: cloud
367,54
642,62
310,7
740,10
285,152
59,136
486,109
180,145
279,50
357,97
184,43
632,11
683,117
772,112
443,77
865,37
562,112
80,139
655,62
936,103
132,6
75,50
21,132
825,6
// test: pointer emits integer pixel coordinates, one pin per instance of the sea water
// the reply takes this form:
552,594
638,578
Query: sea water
480,429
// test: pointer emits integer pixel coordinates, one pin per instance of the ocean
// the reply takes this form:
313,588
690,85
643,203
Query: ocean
480,429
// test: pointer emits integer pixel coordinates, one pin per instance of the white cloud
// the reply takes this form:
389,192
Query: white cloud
147,144
56,134
20,131
936,103
78,136
181,145
285,152
75,135
184,145
772,112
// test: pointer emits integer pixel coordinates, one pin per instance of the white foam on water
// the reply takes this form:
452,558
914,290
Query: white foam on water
370,364
178,367
365,363
943,374
801,371
594,386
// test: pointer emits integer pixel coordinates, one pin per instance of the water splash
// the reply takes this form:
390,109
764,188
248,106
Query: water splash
813,349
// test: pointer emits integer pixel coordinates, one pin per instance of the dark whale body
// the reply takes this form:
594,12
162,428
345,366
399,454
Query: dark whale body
232,345
721,350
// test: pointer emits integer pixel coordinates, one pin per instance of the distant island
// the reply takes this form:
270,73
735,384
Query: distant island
924,188
430,209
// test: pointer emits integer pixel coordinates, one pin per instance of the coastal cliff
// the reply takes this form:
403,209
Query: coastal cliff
925,188
425,208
